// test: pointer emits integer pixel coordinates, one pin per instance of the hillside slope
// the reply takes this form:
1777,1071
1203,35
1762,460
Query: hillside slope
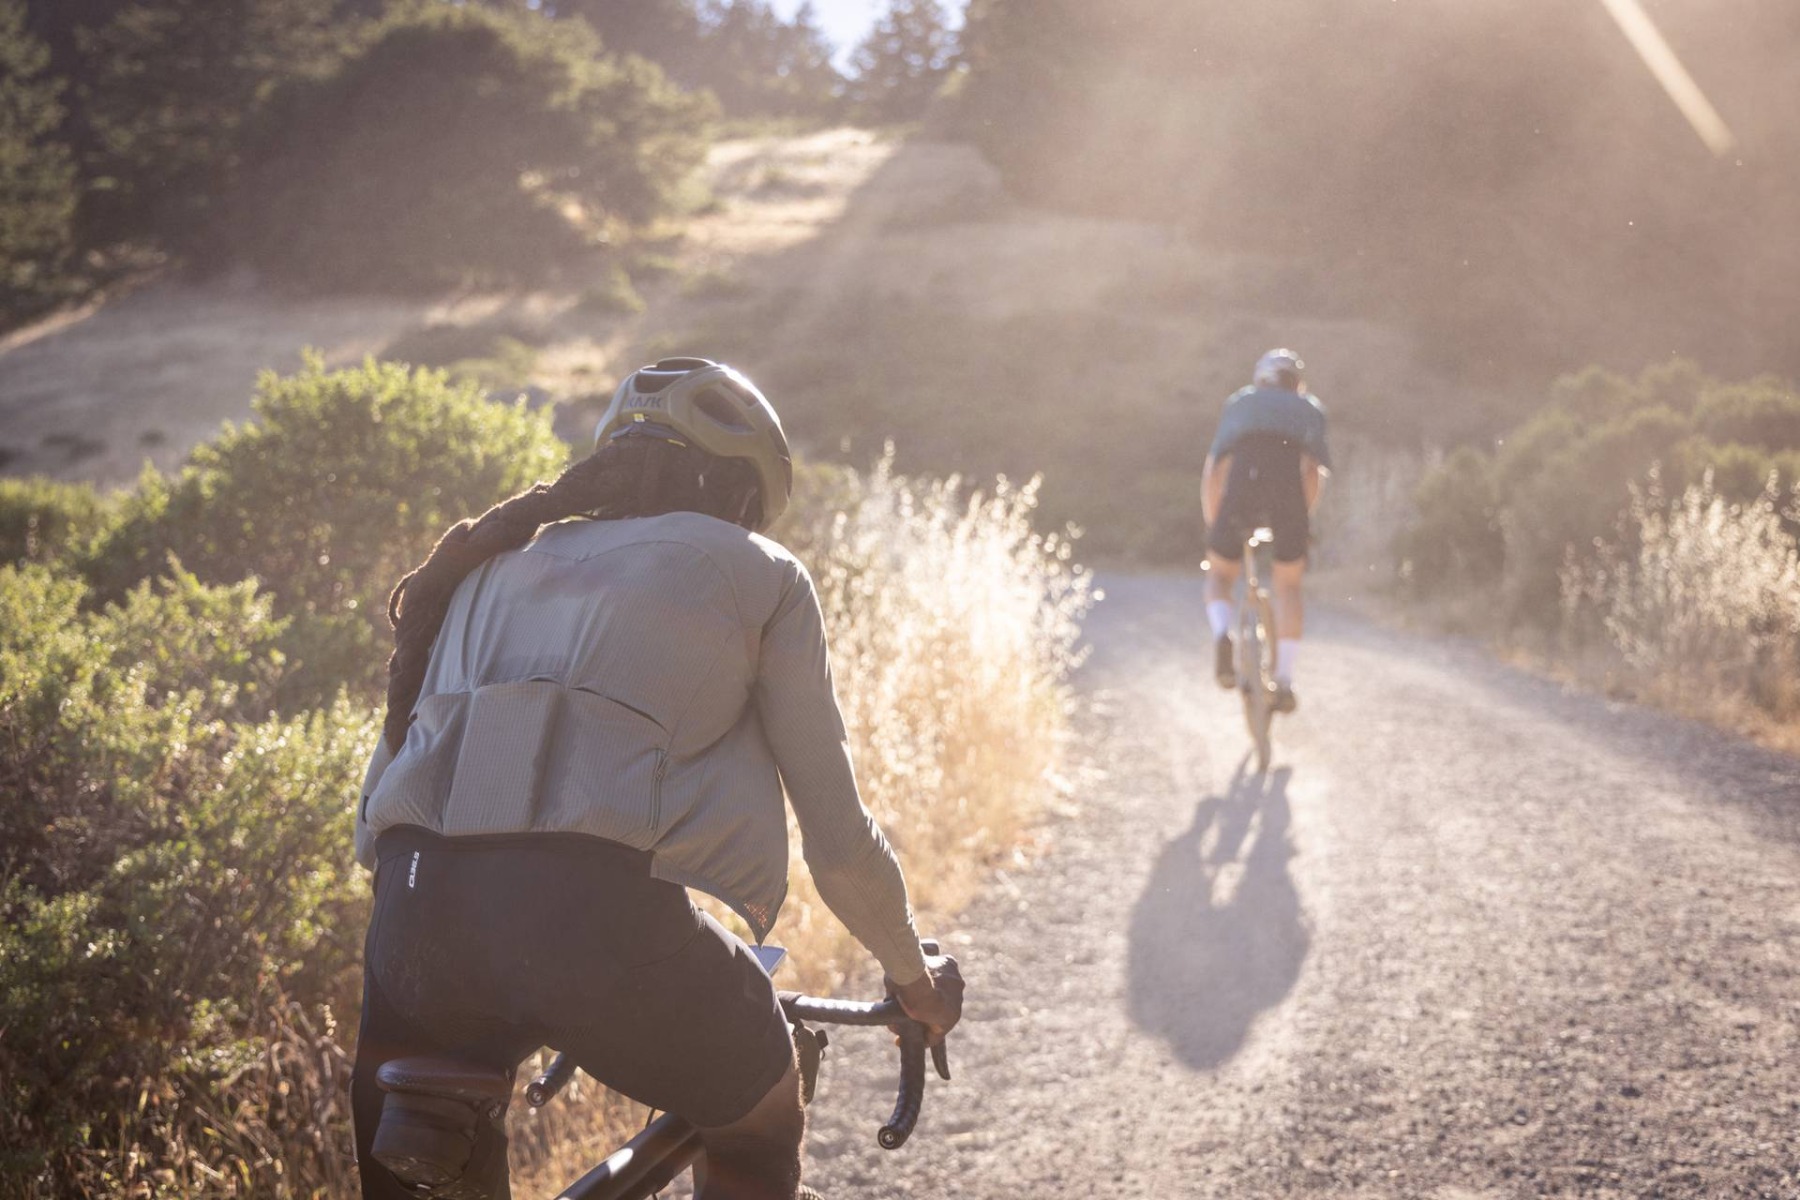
880,291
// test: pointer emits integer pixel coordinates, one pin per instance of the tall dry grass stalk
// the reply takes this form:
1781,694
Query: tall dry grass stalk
953,628
1700,602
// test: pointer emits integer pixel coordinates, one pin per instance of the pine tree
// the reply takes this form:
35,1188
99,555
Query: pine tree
168,87
757,64
37,176
902,62
663,31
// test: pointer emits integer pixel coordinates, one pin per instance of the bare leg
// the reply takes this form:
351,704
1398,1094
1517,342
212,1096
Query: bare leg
1290,606
757,1157
1290,623
1221,615
1221,577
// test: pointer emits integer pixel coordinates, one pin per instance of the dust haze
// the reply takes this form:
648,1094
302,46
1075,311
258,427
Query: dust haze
1510,179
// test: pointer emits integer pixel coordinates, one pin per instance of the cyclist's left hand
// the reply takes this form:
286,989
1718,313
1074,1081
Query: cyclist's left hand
934,999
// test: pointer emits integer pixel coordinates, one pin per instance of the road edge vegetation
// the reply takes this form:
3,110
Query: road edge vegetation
1641,534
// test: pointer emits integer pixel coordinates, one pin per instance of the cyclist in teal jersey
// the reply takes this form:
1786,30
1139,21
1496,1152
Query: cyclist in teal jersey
1266,467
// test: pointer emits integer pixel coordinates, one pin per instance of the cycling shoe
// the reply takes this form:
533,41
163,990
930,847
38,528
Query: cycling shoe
1285,700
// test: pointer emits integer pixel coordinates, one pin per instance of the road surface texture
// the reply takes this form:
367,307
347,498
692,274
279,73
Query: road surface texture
1474,936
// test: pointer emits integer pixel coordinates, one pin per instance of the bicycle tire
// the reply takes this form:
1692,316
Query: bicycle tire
1258,711
1256,671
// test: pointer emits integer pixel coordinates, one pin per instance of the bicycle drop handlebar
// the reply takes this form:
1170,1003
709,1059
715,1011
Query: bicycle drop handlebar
911,1095
824,1011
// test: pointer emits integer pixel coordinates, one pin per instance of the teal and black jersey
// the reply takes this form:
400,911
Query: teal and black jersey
1274,412
1267,432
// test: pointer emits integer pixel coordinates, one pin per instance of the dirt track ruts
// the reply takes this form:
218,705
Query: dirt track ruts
1474,936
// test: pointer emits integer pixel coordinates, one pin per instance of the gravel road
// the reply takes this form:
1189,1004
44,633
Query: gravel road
1474,936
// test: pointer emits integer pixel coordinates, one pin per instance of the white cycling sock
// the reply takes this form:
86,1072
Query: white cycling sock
1219,613
1286,651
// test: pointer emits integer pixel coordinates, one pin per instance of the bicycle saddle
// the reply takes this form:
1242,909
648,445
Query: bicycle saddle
451,1078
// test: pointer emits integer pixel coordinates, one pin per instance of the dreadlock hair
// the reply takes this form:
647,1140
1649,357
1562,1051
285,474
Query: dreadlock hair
627,477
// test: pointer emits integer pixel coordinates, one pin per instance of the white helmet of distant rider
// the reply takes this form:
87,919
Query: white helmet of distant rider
1280,369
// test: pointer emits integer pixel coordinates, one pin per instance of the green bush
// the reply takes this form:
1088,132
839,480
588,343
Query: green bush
1556,487
43,519
129,675
1763,413
1737,473
1457,539
175,890
1522,453
340,486
179,915
454,146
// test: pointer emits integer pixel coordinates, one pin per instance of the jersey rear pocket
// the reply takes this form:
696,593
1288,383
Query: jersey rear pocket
603,771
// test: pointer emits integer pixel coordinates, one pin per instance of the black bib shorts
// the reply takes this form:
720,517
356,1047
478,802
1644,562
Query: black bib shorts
1263,489
490,947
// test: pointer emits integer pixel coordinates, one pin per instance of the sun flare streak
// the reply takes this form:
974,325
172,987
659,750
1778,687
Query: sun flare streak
1660,57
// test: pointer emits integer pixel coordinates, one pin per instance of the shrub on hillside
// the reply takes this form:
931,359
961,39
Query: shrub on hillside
1456,539
1557,484
43,519
1737,472
462,143
177,904
340,486
1574,497
1704,598
1764,413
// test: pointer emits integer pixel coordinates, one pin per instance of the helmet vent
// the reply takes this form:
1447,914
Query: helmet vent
718,407
650,380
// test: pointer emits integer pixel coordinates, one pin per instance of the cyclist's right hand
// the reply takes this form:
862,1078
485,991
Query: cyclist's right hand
934,999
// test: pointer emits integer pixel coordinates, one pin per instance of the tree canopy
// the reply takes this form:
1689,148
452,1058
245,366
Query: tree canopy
902,62
37,173
460,143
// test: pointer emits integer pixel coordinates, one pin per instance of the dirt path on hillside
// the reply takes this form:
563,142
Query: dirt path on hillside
1473,937
882,290
94,394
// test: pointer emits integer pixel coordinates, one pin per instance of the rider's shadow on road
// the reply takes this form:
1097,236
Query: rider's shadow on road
1217,937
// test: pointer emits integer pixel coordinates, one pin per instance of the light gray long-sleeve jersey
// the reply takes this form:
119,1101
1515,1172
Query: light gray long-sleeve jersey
653,681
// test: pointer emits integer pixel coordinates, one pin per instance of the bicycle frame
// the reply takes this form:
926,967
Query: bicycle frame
643,1166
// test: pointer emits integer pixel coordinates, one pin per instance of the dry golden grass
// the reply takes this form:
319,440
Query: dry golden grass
1699,609
953,630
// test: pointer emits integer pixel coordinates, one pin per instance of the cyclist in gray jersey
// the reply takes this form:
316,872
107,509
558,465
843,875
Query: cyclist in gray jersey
600,692
1266,467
